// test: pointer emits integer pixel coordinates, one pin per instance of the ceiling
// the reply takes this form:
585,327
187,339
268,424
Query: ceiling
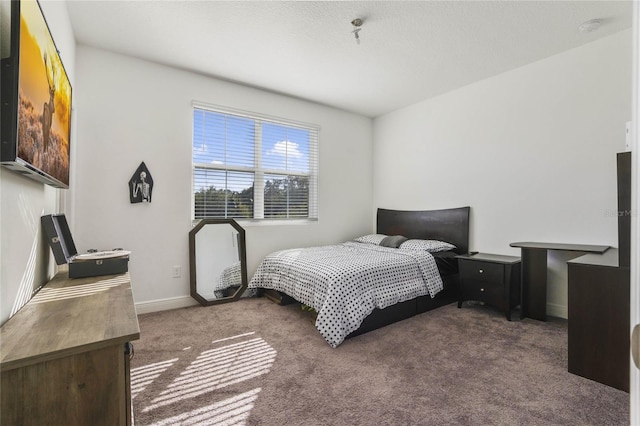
409,50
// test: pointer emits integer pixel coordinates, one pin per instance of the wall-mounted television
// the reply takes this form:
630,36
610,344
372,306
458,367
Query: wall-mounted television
36,100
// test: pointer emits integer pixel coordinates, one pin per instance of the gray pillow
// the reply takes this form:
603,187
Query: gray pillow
393,241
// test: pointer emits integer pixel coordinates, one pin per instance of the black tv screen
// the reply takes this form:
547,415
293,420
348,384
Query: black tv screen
36,100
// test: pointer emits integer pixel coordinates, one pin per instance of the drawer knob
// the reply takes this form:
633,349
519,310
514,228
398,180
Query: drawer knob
481,270
482,289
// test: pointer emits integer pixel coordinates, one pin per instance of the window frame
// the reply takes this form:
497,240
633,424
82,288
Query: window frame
258,170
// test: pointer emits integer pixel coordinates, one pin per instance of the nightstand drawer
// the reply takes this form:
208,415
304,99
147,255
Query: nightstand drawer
489,292
482,271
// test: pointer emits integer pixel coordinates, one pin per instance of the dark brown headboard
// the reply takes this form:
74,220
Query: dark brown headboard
451,225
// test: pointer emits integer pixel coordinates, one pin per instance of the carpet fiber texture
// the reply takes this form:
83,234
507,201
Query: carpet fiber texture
253,362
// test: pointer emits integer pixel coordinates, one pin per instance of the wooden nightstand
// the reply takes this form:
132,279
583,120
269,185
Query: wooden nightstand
490,278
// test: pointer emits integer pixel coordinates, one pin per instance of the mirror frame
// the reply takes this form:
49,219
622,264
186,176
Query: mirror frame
192,261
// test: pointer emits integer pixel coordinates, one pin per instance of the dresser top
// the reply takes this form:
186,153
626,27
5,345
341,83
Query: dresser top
70,316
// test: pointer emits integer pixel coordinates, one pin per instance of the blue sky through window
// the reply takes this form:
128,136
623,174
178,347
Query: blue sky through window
222,139
285,148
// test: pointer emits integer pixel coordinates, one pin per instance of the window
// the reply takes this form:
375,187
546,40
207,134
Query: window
247,166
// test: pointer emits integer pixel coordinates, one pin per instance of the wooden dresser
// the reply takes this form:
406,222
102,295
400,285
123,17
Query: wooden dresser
64,357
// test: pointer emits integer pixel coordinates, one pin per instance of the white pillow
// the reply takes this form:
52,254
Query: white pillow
371,239
432,246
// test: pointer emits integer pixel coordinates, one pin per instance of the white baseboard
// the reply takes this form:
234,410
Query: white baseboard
554,310
164,304
559,311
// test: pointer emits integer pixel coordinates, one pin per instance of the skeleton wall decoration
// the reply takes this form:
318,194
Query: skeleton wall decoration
141,185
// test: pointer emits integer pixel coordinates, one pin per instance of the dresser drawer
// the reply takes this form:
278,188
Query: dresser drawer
482,271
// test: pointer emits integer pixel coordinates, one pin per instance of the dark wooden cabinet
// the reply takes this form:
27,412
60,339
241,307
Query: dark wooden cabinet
623,165
599,300
490,278
598,331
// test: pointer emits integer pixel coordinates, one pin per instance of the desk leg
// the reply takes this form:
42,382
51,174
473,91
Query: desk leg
534,284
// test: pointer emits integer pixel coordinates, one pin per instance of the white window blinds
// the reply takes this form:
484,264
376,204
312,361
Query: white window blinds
247,166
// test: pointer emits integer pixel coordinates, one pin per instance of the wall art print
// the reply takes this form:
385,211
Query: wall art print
141,185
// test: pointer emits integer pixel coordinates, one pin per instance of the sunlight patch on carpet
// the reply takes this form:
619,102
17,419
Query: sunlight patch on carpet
217,368
230,411
234,337
142,377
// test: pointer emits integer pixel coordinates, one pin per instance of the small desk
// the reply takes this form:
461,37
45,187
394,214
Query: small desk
534,274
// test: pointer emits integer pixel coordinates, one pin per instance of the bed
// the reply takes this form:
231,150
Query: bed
362,285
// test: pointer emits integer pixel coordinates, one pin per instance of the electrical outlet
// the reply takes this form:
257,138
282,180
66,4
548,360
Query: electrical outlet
177,272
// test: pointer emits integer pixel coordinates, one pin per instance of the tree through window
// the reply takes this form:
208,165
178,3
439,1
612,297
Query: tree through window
250,167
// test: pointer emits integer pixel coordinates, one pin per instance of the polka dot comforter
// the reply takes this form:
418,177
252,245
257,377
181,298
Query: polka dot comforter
345,282
229,277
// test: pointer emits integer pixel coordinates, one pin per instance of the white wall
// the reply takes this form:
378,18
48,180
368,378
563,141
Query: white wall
129,110
24,254
532,151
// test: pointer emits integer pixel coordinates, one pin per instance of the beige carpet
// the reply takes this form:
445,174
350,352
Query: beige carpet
256,363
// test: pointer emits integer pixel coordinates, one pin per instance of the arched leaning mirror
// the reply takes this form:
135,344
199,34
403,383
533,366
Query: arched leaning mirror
217,261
